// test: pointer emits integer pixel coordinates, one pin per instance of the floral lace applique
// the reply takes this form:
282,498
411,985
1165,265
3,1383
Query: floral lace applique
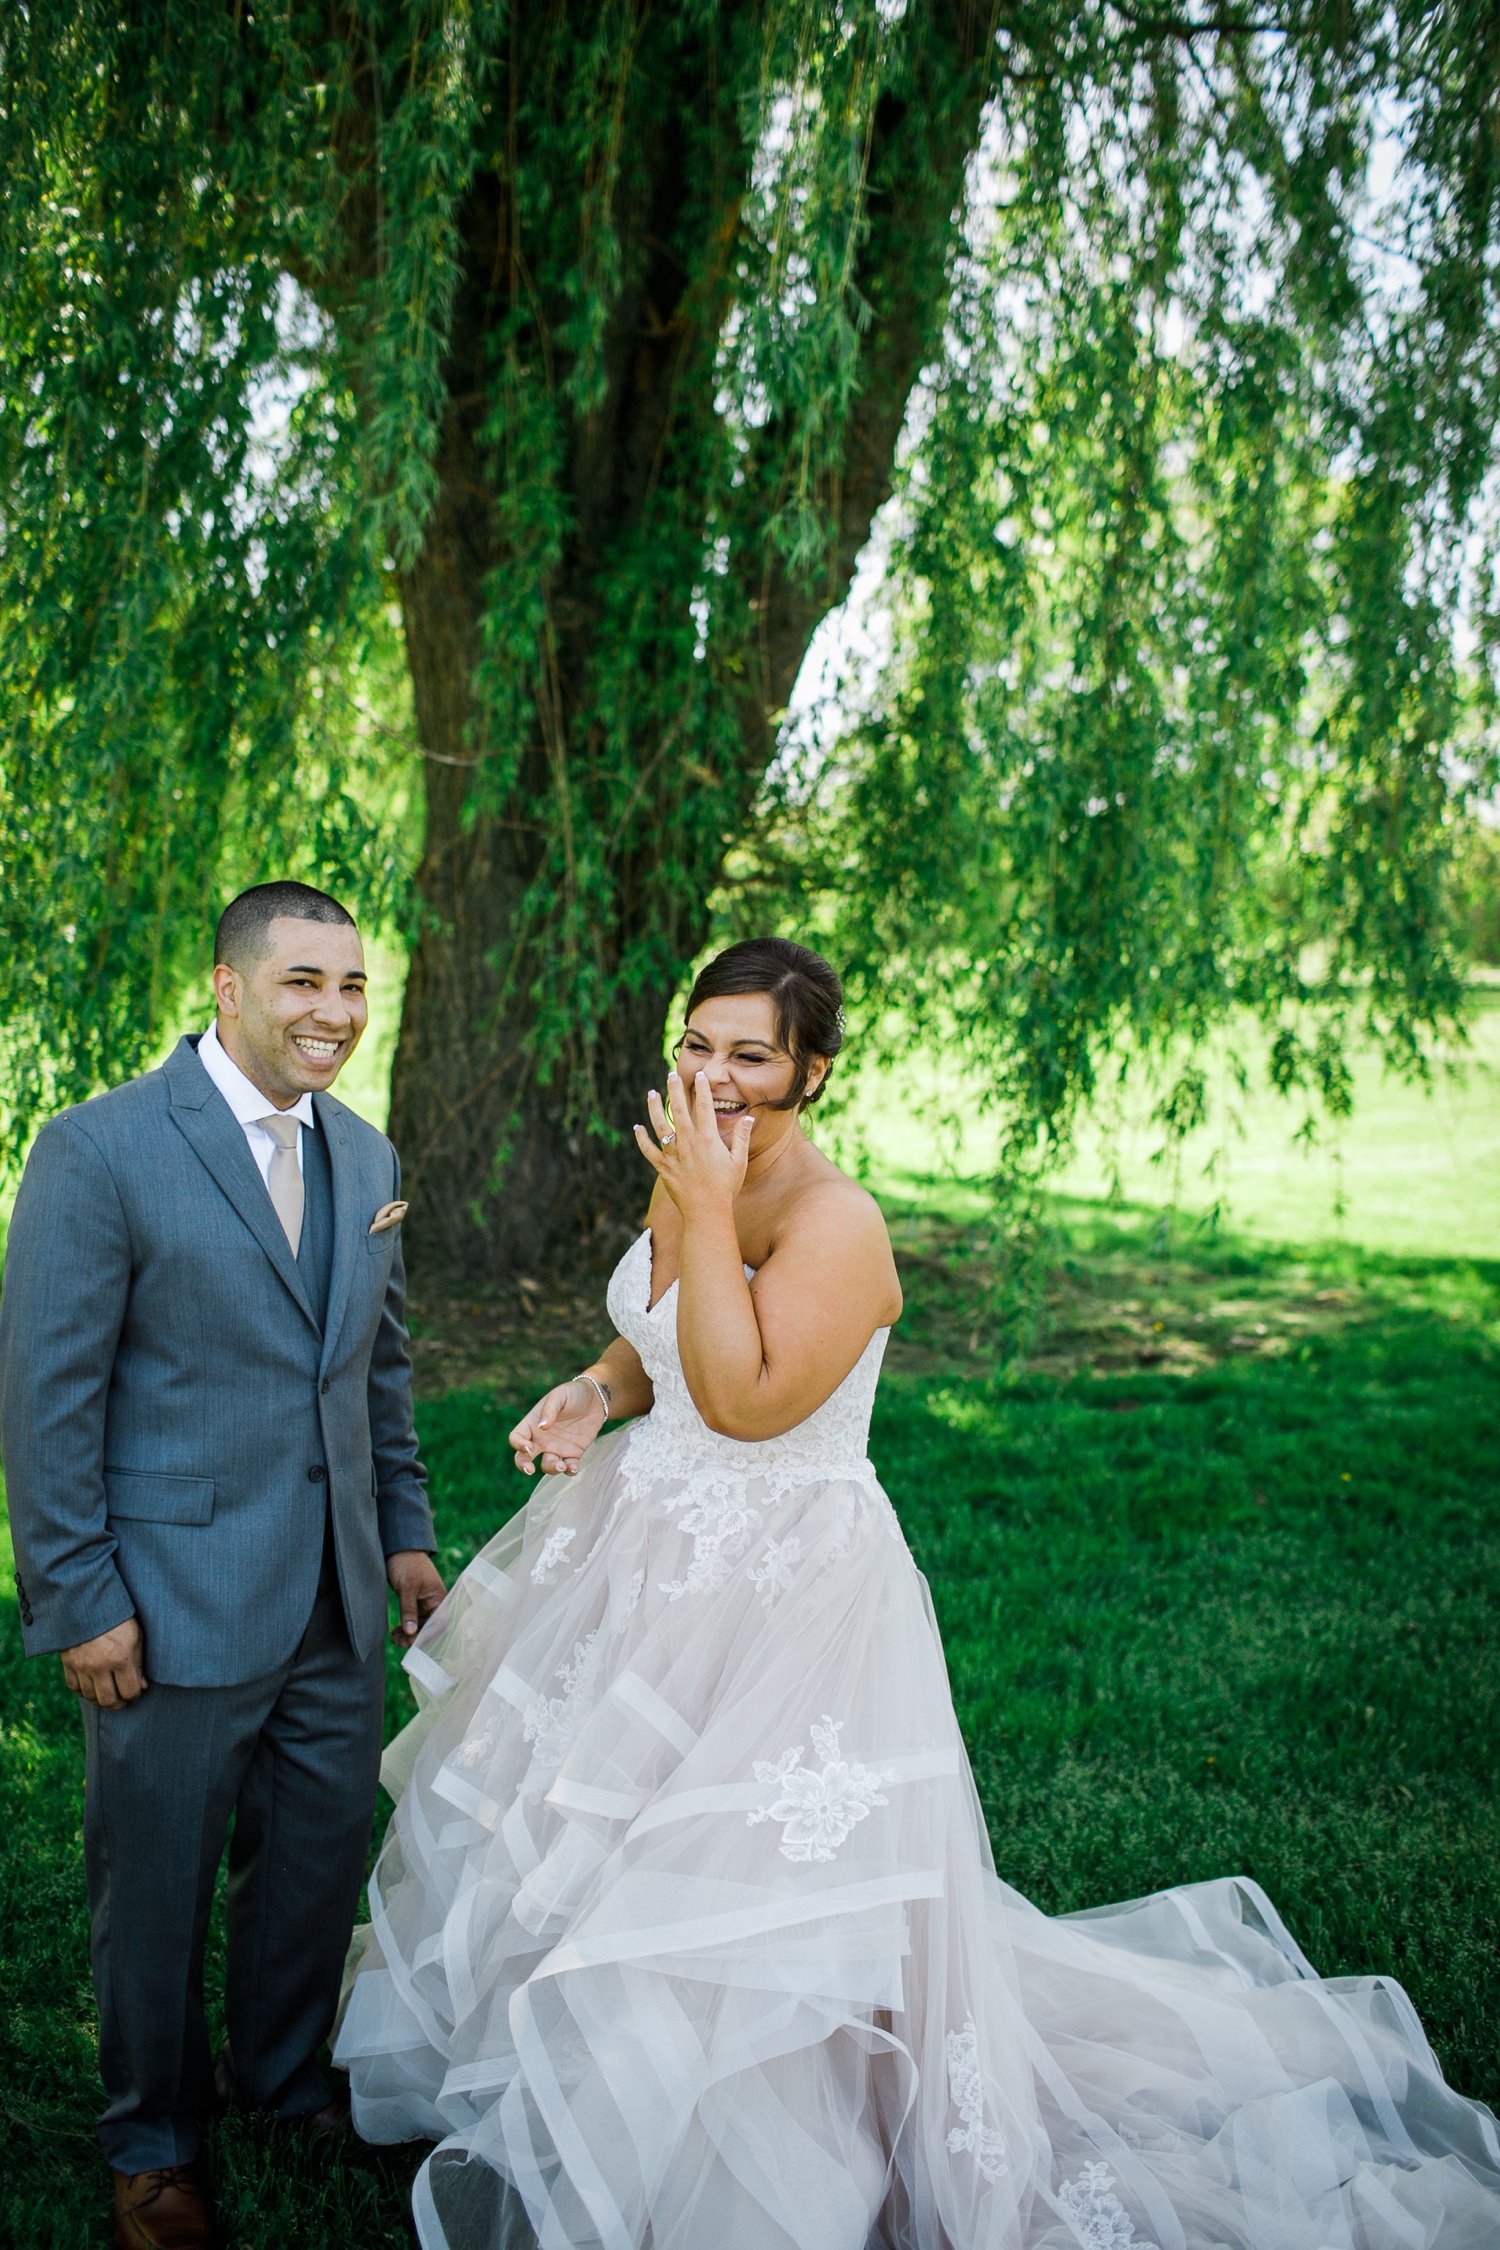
966,2087
818,1809
623,1607
554,1547
778,1562
1099,2218
721,1525
477,1748
551,1721
616,1509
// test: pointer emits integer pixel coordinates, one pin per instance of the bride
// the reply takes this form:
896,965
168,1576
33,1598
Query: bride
686,1931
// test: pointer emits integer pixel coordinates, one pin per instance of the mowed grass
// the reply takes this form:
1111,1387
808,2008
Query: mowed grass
1217,1573
1414,1172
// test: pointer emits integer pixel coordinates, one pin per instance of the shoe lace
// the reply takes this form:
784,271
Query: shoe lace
165,2176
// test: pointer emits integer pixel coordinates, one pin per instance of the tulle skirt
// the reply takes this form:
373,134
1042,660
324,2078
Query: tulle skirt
686,1934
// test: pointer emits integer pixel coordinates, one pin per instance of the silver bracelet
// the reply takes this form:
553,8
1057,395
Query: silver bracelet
596,1385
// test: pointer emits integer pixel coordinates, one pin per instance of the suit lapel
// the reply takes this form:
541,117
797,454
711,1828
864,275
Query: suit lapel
200,1112
348,1239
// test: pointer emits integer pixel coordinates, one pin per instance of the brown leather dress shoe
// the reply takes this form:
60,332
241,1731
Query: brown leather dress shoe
163,2210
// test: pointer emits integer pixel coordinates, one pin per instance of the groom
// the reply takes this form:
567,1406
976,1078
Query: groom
205,1407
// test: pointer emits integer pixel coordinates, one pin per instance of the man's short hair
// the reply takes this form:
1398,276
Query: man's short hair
243,934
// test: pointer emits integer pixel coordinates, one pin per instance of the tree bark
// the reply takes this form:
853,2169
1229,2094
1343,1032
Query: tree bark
499,1183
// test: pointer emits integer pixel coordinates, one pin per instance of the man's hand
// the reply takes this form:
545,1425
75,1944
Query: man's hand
107,1670
418,1592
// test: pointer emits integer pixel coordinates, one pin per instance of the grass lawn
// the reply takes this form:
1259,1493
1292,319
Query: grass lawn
1413,1172
1217,1572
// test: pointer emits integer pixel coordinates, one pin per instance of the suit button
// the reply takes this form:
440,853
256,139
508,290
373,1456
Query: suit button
326,1385
316,1474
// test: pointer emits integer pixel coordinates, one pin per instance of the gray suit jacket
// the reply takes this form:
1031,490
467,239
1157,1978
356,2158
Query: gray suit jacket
174,1423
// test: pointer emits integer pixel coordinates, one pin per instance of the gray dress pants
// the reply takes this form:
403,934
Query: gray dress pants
294,1758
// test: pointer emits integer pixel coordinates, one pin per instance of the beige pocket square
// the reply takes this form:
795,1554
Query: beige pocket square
389,1215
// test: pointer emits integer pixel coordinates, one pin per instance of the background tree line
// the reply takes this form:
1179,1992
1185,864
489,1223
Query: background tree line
1157,348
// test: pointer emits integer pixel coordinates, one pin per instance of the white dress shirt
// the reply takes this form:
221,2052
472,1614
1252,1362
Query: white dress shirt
249,1104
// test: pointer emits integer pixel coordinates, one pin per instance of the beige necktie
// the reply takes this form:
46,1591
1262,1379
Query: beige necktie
286,1175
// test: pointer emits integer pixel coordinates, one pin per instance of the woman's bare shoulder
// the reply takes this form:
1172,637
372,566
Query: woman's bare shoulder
842,1220
834,1196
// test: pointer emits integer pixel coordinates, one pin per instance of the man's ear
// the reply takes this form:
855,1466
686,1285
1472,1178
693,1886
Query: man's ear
227,989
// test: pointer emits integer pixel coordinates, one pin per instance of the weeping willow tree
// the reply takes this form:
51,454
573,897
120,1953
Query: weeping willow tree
1159,347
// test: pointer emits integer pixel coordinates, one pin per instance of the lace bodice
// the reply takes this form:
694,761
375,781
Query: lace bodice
675,1439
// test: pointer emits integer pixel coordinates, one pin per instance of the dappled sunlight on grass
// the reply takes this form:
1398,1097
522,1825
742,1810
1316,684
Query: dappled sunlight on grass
1116,1287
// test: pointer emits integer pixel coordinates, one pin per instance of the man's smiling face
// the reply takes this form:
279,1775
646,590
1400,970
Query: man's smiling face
292,1017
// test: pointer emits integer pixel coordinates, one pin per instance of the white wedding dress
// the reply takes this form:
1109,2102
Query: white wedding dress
686,1932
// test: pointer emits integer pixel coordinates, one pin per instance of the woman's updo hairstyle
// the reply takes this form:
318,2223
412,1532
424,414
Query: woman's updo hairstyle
805,993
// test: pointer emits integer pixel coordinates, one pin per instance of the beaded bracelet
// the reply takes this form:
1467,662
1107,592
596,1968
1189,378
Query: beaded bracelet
596,1385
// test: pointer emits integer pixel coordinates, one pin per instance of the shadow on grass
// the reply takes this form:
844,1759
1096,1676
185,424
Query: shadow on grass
1112,1287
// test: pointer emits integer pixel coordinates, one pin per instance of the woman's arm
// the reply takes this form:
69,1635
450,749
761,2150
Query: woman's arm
618,1368
761,1357
561,1426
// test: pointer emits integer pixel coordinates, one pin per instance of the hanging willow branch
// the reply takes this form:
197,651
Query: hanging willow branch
593,343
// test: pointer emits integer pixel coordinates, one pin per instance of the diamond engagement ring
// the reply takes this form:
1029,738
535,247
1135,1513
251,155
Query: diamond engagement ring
668,1138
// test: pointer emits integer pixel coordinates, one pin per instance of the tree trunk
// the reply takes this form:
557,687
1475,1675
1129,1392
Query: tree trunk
499,1180
498,1186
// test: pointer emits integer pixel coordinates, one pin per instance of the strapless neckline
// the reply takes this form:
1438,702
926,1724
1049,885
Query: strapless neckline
653,1307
